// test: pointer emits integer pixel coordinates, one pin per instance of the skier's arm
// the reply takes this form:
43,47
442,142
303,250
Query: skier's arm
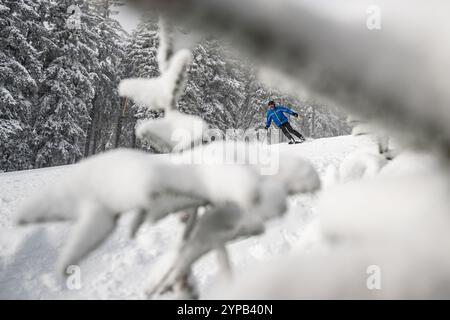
287,110
268,120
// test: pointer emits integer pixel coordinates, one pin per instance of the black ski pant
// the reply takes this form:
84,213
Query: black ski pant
287,130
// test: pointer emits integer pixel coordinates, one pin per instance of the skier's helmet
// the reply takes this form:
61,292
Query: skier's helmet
271,103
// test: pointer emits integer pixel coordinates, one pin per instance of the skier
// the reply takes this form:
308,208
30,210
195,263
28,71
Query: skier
276,114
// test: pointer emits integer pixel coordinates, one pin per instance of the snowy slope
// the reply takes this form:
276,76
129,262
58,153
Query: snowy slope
122,268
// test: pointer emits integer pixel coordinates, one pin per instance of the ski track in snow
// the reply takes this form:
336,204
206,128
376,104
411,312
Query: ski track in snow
121,267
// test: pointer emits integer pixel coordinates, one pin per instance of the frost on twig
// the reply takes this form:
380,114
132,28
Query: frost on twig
166,45
163,91
226,221
176,130
97,191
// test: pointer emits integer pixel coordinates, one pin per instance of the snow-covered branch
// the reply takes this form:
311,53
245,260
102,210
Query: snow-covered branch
104,186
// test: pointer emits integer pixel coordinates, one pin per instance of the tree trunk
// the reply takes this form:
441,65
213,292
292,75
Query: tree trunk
97,131
120,115
118,130
133,139
87,145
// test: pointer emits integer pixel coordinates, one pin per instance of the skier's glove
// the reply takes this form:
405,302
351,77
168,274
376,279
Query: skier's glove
295,114
267,128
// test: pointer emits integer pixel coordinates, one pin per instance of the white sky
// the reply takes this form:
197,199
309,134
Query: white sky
127,17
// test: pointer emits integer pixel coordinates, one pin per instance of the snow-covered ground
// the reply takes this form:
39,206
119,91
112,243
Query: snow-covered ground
122,267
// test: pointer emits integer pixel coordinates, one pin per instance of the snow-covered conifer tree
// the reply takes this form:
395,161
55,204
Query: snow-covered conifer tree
20,75
68,87
78,89
139,61
106,103
214,90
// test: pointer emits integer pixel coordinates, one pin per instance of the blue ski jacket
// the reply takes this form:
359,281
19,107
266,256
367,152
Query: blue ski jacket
277,115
